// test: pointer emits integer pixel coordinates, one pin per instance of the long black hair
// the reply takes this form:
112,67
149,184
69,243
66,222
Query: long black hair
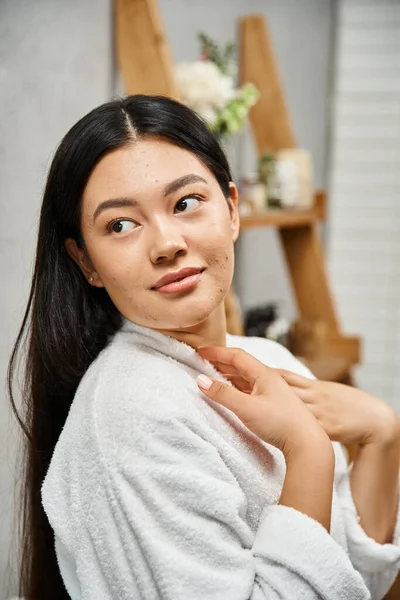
68,322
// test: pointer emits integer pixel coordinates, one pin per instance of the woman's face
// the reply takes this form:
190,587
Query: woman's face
153,210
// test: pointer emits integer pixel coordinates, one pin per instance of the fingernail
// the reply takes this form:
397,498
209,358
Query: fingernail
204,382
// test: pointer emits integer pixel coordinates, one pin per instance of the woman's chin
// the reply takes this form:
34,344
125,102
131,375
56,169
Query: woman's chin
186,312
188,322
192,316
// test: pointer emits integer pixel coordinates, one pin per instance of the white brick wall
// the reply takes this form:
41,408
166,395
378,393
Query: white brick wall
364,214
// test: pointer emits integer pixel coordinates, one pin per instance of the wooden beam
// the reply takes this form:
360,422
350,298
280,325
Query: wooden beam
272,128
234,323
328,368
304,257
348,347
142,50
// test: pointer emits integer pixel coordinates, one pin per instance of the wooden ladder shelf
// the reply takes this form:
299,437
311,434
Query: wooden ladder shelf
145,63
272,130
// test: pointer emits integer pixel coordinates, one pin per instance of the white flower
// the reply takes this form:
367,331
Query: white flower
203,87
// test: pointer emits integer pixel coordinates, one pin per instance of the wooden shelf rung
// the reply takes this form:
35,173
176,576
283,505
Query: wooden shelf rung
285,218
328,368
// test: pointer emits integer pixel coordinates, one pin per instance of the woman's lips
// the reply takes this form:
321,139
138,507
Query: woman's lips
183,285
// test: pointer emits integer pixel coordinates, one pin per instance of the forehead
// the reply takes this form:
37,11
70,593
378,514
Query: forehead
143,166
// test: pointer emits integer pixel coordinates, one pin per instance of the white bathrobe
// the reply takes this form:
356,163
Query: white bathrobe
156,492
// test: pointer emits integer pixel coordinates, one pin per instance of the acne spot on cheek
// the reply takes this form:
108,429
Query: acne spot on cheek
151,318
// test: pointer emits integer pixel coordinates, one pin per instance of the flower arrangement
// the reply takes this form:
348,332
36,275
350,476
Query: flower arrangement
208,86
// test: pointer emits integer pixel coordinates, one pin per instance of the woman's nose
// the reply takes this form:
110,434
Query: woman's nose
166,244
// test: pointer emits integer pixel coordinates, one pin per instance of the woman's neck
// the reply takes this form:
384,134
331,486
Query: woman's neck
211,332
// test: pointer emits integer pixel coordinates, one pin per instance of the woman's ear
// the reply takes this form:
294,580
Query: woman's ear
233,203
80,257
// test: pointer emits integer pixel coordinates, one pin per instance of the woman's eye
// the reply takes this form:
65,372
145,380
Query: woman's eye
186,204
121,226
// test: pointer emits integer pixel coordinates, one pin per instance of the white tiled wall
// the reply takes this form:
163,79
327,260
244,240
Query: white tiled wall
364,219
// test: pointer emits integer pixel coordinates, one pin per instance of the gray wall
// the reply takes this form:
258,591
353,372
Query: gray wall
55,64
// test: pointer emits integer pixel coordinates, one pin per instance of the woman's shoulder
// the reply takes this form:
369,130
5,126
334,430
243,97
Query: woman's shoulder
128,397
270,353
123,363
128,378
131,389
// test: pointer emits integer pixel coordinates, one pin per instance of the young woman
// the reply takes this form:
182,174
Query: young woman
139,482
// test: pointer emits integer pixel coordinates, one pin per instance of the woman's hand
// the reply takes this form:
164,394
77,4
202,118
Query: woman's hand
347,415
262,400
351,416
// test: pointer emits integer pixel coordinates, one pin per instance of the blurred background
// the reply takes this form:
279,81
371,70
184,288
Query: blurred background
317,162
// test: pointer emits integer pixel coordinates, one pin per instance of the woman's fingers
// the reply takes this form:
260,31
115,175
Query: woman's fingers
224,394
295,380
226,370
240,383
229,372
272,410
235,360
302,393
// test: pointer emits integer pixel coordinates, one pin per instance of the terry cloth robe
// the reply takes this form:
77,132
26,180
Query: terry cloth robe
156,492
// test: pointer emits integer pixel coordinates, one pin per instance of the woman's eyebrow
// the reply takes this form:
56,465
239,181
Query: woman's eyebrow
181,182
113,203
